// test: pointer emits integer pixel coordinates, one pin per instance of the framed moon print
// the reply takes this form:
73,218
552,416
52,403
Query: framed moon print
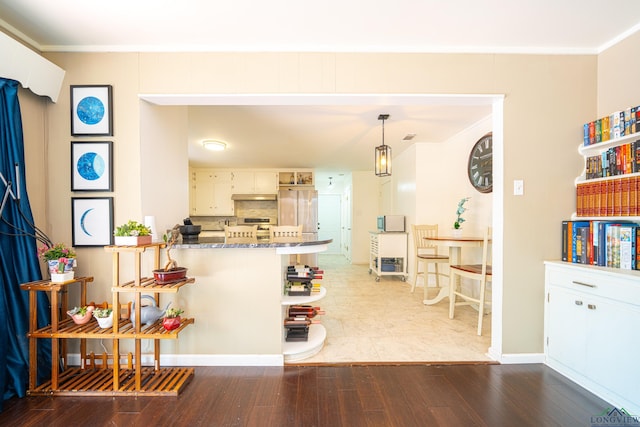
92,166
92,221
91,111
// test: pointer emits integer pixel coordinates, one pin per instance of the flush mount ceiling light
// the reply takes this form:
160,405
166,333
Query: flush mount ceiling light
213,145
383,153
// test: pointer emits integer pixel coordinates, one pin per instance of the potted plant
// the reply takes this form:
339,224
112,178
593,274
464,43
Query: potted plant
171,273
104,316
81,315
457,225
171,319
132,233
60,261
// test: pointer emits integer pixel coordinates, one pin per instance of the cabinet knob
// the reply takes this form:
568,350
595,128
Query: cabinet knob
578,302
591,306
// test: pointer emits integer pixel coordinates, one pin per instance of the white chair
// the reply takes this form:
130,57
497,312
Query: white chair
285,231
425,254
481,273
241,232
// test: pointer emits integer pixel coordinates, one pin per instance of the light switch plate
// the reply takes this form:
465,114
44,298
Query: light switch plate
518,187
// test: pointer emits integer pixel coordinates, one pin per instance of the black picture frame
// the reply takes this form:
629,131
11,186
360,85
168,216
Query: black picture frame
92,221
91,110
92,166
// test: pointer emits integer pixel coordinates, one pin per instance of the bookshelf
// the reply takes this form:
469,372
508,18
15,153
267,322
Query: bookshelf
605,191
607,197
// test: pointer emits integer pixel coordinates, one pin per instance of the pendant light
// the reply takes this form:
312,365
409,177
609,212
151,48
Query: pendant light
383,153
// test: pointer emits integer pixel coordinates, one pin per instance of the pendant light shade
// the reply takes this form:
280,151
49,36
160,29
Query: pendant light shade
383,153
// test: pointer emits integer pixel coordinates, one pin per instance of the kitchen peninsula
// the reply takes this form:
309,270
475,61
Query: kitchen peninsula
239,301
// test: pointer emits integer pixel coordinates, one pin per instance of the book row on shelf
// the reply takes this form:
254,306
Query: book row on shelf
603,243
620,160
615,125
612,197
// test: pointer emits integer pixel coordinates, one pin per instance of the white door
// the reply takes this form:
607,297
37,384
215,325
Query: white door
329,213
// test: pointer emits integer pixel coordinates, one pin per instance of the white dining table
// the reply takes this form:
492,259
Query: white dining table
455,245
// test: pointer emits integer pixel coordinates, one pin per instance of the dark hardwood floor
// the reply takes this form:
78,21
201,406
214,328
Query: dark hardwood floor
374,395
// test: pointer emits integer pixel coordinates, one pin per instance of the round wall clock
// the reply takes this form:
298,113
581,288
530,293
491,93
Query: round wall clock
480,168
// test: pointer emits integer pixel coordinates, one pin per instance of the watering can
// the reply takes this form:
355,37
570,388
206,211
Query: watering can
148,313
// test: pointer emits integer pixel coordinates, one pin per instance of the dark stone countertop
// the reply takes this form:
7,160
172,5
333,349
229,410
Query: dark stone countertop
220,243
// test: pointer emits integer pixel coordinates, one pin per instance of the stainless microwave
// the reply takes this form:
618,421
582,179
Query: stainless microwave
391,223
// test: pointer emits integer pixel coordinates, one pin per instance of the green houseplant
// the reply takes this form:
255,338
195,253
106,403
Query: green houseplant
132,233
59,257
171,273
461,209
172,319
81,315
104,316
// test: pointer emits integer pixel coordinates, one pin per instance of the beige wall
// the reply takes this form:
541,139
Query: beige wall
618,68
547,98
33,108
364,197
431,179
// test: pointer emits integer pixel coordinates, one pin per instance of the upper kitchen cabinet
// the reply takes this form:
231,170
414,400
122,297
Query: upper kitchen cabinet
250,182
211,193
296,178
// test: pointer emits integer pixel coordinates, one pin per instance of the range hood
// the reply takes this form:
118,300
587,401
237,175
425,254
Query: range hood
253,197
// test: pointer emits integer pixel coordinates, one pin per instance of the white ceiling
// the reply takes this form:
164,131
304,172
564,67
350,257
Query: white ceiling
334,134
561,26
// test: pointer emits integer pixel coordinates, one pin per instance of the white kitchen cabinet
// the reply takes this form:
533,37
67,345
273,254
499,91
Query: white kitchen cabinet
222,191
201,196
243,182
388,254
250,182
591,329
211,193
266,182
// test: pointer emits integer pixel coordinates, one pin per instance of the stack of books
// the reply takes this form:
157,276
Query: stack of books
611,197
615,125
612,244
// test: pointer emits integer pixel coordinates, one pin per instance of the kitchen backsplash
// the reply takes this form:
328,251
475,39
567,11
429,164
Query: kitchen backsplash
243,209
257,209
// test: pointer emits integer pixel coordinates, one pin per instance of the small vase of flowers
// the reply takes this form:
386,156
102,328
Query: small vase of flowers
60,261
172,319
132,233
457,225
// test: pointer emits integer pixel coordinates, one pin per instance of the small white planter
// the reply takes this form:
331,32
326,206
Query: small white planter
132,240
62,277
105,322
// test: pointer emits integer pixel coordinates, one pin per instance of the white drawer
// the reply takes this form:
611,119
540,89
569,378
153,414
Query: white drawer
619,285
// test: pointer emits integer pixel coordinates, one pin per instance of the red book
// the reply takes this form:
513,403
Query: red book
633,196
610,190
603,198
617,197
624,197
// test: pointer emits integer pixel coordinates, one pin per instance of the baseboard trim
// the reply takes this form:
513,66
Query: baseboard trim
519,358
204,359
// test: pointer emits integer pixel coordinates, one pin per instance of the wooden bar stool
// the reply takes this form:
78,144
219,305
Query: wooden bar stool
241,232
285,231
479,272
425,254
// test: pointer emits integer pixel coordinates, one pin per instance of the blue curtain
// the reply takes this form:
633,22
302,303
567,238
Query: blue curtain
18,257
